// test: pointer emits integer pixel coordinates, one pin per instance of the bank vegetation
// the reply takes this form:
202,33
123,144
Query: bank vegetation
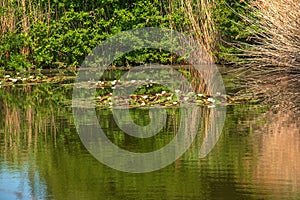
262,37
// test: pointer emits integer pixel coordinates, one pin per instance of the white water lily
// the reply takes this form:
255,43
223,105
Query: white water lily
211,100
163,92
133,81
13,80
175,102
200,95
114,82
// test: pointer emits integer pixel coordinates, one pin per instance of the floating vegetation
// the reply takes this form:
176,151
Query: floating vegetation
168,99
149,93
146,93
8,80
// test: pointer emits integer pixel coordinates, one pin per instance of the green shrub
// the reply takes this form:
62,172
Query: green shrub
234,30
13,47
64,35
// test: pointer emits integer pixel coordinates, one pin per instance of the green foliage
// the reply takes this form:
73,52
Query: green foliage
76,27
153,89
11,47
230,18
67,41
69,31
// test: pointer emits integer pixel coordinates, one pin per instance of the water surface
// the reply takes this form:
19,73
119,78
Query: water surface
42,157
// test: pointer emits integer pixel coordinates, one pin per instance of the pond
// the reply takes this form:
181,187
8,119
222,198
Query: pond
42,156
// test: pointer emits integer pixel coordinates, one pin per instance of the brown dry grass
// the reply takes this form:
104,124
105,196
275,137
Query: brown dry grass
7,20
202,29
272,62
18,16
278,34
11,20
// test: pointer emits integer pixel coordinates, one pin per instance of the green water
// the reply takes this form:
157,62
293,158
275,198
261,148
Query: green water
42,156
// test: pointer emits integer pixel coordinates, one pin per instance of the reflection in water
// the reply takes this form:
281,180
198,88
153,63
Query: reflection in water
26,127
42,157
23,183
278,167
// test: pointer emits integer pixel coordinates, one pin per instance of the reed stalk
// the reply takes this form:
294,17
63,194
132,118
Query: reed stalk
273,59
278,34
202,29
7,17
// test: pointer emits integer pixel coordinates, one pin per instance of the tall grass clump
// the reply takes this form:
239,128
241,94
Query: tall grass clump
273,59
200,26
199,23
278,33
16,20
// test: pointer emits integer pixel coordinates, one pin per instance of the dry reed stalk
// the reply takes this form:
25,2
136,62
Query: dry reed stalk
10,21
31,11
272,62
278,35
7,18
25,21
25,26
202,29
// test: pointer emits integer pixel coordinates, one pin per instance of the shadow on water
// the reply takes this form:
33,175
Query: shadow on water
42,157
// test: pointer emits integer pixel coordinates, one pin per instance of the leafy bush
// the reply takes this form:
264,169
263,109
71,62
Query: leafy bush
65,35
67,41
13,47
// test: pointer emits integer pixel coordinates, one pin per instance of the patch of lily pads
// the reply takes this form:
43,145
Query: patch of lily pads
148,94
8,80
